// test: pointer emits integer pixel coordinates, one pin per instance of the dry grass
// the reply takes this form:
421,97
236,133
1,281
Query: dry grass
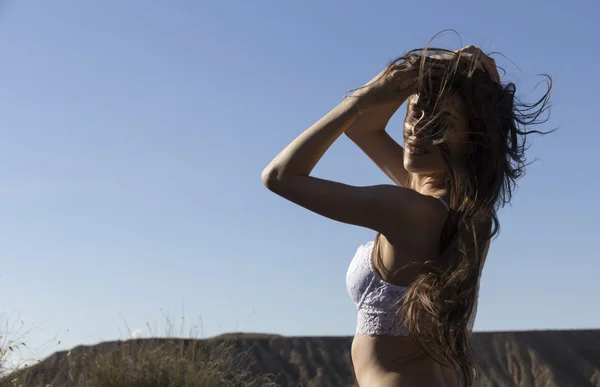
174,365
152,362
146,363
12,338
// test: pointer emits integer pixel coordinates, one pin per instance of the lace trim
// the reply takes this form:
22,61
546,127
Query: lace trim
377,307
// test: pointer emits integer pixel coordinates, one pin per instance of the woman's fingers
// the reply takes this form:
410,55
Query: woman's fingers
489,66
487,63
470,49
444,56
491,70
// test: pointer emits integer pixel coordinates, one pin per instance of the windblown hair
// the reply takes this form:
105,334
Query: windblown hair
481,179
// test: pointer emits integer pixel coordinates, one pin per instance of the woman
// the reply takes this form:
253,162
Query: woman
416,286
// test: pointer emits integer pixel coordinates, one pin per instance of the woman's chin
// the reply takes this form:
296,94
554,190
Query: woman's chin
422,165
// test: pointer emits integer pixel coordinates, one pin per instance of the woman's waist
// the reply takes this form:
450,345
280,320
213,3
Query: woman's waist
386,353
389,361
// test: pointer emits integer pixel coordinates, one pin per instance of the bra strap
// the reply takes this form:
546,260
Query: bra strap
441,199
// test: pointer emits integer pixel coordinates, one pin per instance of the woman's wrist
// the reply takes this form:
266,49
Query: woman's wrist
362,98
353,106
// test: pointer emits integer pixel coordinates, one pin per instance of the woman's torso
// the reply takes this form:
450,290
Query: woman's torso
391,358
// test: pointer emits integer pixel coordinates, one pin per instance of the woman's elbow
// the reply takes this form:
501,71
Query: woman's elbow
277,181
270,178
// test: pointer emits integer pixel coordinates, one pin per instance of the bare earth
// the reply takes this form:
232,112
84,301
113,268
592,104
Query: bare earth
534,358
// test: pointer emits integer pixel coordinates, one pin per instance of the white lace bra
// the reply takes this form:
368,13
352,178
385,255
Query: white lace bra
376,298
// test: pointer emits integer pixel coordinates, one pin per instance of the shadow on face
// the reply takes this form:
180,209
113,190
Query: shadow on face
428,125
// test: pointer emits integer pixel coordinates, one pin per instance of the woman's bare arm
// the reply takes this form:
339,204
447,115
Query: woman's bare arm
383,208
369,134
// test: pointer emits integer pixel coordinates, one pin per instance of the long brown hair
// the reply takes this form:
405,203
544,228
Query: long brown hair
481,179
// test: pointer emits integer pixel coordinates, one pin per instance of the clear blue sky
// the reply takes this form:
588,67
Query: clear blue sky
134,134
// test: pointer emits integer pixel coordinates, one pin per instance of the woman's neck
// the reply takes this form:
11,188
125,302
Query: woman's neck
430,185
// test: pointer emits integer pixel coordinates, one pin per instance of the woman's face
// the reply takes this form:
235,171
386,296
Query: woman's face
421,156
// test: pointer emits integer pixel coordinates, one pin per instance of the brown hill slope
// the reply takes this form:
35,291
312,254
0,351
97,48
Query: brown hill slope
536,358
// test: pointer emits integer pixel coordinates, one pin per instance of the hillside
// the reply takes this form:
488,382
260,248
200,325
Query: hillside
536,358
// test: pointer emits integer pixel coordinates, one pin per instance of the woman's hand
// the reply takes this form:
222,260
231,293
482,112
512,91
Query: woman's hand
484,61
389,88
488,63
380,98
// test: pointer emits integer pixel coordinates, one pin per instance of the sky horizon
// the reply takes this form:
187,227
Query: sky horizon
134,135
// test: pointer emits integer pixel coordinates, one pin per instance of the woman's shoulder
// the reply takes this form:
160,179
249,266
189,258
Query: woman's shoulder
422,207
423,214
